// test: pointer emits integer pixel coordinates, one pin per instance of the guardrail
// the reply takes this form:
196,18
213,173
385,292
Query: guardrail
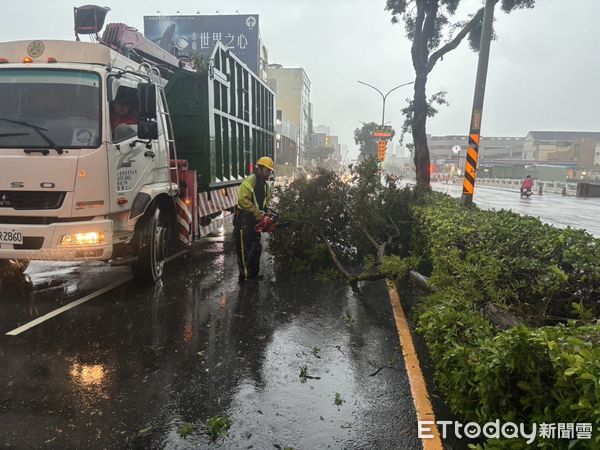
554,187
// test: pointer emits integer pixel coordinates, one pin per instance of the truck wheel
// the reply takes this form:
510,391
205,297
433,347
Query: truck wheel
152,248
10,268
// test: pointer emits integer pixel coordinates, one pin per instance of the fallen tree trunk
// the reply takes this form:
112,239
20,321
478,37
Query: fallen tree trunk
352,279
502,320
420,280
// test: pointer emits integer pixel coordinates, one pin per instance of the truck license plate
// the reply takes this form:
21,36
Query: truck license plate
10,236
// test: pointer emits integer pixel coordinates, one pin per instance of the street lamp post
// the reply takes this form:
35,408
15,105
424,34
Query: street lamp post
384,96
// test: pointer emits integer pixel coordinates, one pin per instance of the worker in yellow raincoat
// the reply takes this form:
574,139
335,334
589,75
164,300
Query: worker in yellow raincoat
254,196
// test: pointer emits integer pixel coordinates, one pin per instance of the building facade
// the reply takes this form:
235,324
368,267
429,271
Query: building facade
581,147
292,87
322,129
324,147
490,148
554,154
286,141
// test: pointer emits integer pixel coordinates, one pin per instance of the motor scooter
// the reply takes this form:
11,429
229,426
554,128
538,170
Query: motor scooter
527,192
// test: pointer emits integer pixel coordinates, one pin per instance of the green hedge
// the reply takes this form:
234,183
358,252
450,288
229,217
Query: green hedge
544,371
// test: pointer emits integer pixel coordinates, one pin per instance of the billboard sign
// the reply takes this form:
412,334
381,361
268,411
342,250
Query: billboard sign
197,35
385,132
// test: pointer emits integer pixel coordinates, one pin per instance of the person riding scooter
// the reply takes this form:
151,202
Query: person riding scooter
527,186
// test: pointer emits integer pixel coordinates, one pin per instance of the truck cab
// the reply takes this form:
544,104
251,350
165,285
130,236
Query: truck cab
89,140
84,157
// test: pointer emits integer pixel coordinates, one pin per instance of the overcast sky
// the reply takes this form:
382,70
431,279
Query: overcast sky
543,74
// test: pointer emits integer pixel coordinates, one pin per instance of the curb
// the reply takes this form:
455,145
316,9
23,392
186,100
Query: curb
418,388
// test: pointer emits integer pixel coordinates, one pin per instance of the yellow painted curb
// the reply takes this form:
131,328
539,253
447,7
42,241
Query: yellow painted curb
418,388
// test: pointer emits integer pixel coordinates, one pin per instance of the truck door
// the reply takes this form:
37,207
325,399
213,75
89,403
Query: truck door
131,163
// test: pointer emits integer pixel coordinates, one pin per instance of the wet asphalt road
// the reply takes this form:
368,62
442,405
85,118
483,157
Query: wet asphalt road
130,368
576,212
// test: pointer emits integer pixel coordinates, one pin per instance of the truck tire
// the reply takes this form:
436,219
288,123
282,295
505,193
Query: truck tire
152,247
11,268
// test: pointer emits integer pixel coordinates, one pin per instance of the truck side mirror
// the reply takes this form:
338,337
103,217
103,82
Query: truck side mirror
147,129
147,101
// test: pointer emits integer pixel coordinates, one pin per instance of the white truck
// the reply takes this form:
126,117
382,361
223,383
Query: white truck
80,182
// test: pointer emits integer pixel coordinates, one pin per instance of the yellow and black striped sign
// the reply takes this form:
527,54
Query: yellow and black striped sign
471,165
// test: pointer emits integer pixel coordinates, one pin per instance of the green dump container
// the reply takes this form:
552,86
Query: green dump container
223,119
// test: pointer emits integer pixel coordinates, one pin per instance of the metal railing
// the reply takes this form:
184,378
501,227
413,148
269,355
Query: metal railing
553,187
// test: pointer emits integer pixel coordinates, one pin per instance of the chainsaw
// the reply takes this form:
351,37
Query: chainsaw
269,223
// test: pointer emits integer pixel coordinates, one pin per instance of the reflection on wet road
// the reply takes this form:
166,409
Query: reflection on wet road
48,286
554,209
132,367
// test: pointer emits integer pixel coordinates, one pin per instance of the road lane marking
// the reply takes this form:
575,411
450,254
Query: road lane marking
418,388
177,255
75,303
68,306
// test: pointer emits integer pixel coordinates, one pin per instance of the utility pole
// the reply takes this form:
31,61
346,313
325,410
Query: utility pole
475,130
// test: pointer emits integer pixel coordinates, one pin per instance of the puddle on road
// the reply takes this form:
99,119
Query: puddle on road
294,411
244,355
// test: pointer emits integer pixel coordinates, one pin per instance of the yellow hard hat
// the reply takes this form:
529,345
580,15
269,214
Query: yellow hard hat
265,161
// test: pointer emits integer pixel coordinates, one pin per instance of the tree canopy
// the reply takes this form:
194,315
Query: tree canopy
363,137
430,26
340,223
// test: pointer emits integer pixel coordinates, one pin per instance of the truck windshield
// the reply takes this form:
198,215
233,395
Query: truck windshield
49,109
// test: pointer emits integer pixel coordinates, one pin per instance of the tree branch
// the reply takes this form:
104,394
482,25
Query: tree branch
421,281
370,238
429,26
435,56
379,248
395,225
336,262
416,48
368,277
503,320
419,22
350,278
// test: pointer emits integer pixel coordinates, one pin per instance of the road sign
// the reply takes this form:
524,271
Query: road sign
386,132
381,147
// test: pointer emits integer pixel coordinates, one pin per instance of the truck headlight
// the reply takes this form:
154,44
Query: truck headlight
90,238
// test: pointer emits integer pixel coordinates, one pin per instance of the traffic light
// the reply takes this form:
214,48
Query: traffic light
381,146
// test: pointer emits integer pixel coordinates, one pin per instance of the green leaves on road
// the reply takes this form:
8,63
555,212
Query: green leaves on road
338,400
218,426
186,429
